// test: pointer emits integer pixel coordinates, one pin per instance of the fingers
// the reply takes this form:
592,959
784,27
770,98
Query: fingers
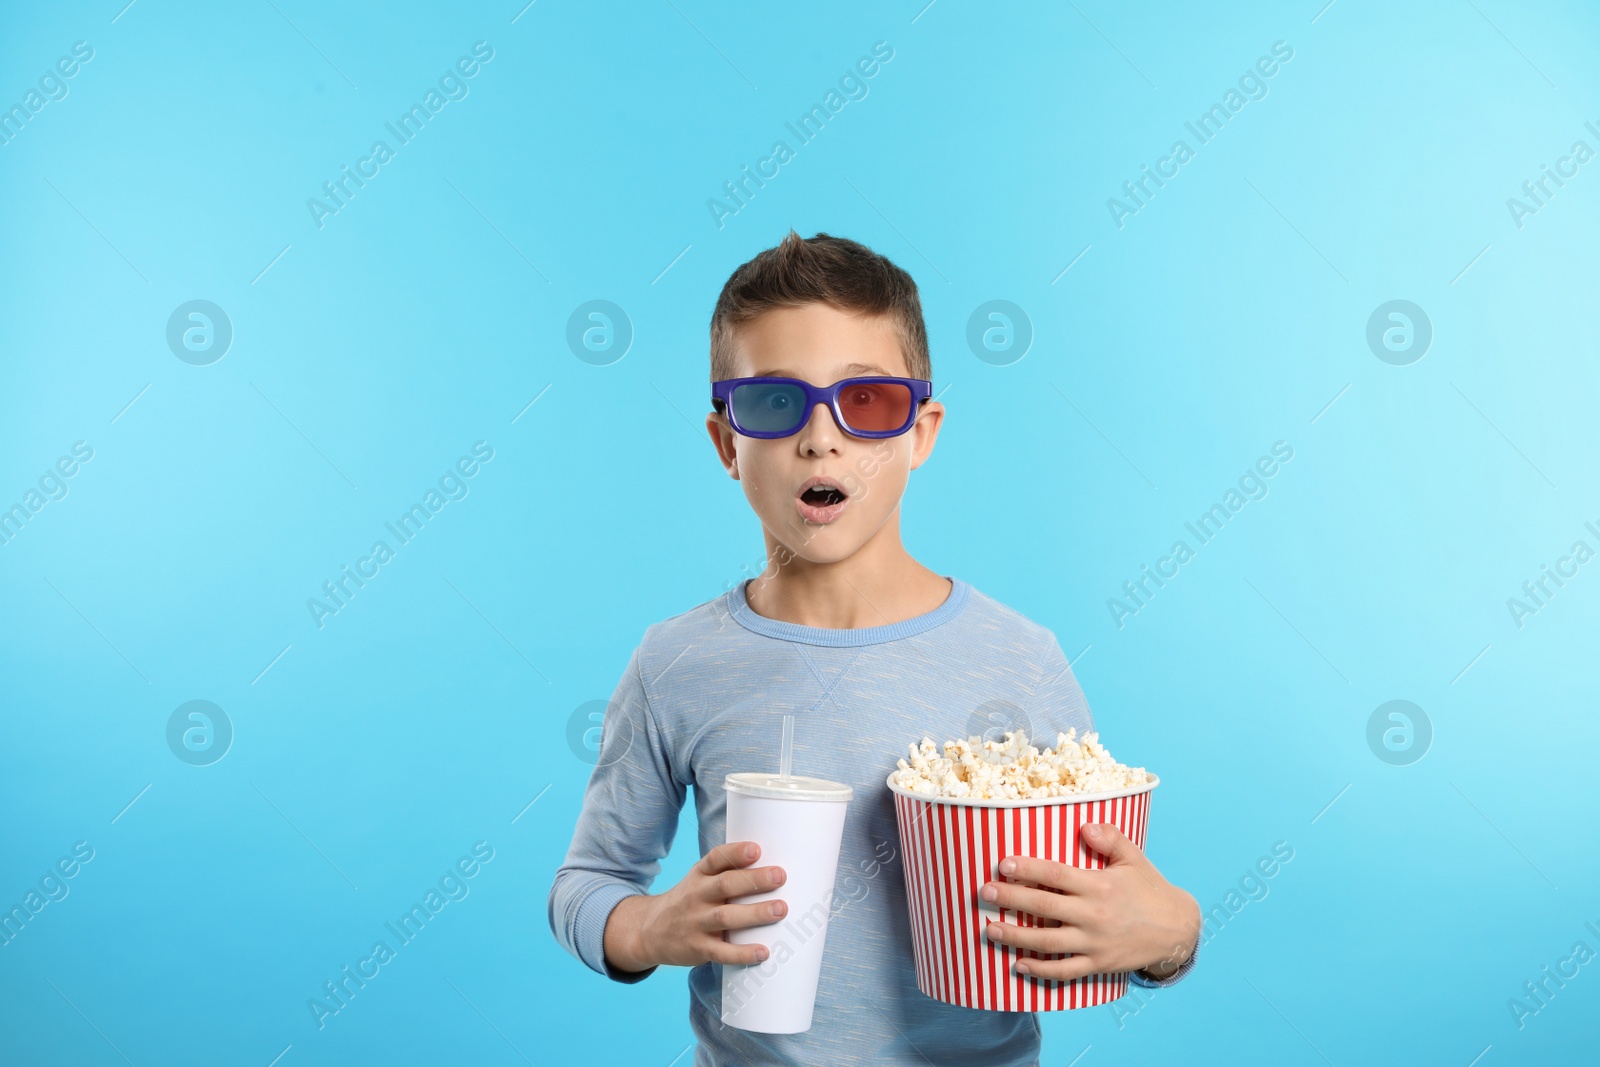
1078,966
1040,902
742,883
728,857
1037,938
740,916
718,951
1047,873
1108,840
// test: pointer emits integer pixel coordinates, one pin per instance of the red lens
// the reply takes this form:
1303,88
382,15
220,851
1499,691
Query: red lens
875,407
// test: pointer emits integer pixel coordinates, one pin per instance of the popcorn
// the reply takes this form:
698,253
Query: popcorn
1013,769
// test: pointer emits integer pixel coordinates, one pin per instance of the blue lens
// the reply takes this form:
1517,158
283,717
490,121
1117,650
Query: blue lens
768,407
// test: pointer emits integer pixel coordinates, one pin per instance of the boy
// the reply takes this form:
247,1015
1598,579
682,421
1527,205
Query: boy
870,650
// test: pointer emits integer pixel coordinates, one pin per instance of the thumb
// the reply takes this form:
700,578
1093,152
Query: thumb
1107,840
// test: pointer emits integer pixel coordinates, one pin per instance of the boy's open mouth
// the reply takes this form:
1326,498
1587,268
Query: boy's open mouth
821,495
821,499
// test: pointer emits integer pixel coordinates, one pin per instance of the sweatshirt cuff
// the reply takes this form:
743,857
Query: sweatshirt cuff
589,931
1140,978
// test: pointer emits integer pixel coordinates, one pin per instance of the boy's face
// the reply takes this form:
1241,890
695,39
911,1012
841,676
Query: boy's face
822,344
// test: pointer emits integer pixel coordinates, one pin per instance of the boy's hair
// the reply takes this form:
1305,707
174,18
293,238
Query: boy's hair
835,271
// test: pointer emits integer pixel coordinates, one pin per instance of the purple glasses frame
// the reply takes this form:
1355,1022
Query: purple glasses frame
722,394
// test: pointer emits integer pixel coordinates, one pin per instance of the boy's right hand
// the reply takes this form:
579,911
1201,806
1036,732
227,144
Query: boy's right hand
683,926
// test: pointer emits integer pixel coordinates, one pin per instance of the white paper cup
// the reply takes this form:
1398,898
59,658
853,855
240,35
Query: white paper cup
951,847
799,824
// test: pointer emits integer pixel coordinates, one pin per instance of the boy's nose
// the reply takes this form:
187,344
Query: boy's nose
821,426
822,416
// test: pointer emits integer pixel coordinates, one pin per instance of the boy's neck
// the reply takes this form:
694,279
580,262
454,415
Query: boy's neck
851,594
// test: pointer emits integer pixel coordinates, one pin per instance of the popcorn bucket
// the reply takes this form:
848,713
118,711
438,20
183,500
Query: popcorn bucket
950,847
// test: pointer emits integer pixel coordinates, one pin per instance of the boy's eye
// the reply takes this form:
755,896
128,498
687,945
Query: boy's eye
777,401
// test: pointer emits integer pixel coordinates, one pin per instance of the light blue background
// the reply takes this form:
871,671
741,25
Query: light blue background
1226,315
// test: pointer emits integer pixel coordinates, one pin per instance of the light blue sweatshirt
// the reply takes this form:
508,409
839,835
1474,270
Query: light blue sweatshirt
704,696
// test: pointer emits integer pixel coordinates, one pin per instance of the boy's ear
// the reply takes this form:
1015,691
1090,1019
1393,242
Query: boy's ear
925,431
722,437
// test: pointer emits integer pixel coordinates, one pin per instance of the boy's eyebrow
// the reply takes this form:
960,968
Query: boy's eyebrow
850,368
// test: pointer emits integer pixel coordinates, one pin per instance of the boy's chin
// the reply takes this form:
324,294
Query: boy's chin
820,544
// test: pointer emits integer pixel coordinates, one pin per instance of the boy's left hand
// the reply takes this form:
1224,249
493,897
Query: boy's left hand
1125,917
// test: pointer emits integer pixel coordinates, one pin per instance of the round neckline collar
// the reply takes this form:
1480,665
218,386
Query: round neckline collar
739,607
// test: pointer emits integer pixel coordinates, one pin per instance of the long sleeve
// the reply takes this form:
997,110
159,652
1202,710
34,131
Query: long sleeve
1140,978
629,818
1060,700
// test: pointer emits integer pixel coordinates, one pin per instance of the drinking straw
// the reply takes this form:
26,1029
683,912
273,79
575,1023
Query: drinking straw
786,754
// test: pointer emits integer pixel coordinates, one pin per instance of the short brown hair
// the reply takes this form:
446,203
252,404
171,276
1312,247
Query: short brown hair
822,269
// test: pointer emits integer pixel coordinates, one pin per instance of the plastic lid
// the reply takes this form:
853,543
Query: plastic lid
794,787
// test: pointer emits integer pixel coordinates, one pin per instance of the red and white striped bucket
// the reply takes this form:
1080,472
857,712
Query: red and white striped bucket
950,848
